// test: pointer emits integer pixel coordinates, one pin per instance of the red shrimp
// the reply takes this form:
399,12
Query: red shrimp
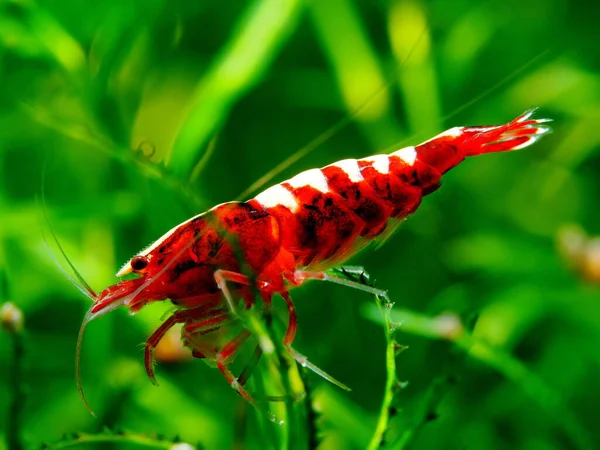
290,233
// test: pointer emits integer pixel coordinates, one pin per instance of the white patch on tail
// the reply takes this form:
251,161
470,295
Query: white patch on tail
277,195
381,163
526,115
532,139
313,178
452,132
408,155
350,168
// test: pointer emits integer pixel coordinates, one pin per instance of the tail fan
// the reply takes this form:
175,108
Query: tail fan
515,135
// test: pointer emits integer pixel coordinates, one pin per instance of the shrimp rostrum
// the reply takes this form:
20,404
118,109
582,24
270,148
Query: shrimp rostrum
222,261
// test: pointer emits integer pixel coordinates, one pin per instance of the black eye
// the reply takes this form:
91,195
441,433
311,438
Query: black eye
139,263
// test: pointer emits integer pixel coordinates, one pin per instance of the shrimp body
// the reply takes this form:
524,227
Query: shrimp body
289,233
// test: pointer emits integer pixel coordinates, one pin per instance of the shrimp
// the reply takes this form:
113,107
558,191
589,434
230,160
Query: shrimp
214,263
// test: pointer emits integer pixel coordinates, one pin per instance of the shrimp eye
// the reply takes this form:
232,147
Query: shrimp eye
139,263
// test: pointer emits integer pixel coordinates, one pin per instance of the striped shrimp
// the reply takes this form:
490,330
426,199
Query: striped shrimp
290,233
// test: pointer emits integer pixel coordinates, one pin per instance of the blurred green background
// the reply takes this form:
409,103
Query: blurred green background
143,113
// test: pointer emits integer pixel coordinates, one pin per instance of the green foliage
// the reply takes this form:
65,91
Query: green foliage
144,113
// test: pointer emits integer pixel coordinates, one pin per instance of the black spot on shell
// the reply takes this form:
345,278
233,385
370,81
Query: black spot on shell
182,267
368,210
415,175
317,198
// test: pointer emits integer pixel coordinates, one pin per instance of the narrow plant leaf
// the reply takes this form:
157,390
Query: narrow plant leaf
255,41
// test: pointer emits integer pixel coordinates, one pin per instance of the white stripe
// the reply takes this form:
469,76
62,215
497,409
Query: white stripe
452,132
313,178
381,163
350,168
408,155
277,195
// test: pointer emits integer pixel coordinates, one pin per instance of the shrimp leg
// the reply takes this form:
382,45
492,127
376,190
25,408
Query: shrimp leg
176,318
225,356
300,276
210,324
222,276
156,337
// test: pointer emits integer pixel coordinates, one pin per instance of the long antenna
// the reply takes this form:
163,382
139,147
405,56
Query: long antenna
86,319
82,286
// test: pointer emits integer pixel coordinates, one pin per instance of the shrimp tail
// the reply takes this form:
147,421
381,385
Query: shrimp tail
451,147
515,135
